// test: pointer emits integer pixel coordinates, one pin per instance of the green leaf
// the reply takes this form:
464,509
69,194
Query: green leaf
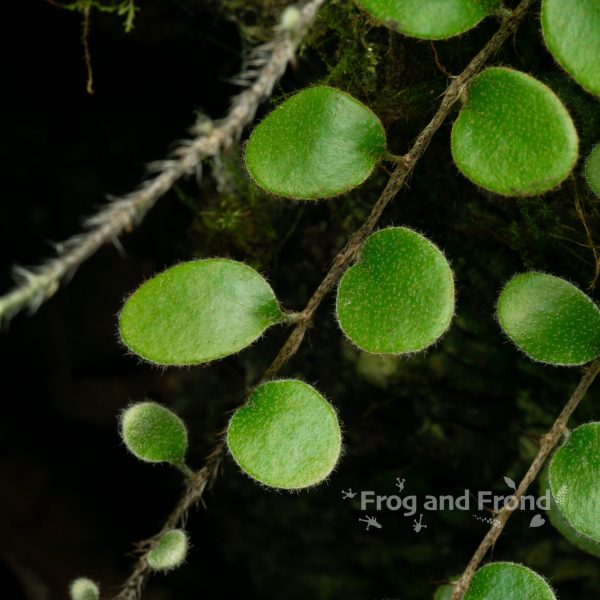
287,435
514,137
430,19
550,319
508,581
574,476
592,170
400,297
572,33
170,551
153,433
562,525
318,143
198,311
84,589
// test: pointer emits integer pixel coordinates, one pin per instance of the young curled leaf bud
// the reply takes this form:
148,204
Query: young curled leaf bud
170,551
154,434
83,589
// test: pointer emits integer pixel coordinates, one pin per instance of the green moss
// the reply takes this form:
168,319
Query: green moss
366,61
234,216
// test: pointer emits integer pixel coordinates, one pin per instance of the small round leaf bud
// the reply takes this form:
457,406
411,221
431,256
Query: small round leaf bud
83,589
290,18
153,433
170,551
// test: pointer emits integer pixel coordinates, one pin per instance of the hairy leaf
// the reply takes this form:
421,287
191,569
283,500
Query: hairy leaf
153,433
550,319
508,581
318,143
430,19
572,33
400,297
169,552
84,589
574,476
592,170
514,137
198,311
287,436
561,524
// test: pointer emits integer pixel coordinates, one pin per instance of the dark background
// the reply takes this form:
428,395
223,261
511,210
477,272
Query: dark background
72,501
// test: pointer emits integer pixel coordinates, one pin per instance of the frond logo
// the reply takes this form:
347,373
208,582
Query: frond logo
369,502
561,495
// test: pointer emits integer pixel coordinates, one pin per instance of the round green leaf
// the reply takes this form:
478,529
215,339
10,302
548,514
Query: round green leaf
318,143
84,589
153,433
514,137
430,19
169,552
508,581
198,311
574,476
572,33
592,170
400,297
286,436
550,319
562,525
